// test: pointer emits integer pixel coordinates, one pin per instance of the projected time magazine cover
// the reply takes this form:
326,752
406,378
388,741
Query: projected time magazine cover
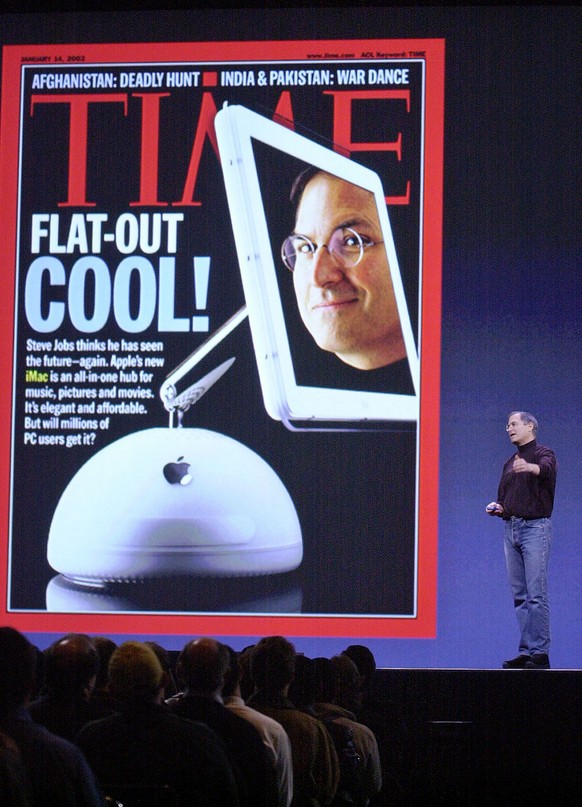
203,245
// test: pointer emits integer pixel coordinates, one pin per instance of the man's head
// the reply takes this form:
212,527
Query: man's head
522,428
232,677
17,669
364,660
105,648
341,273
273,664
347,682
169,683
71,664
135,673
202,666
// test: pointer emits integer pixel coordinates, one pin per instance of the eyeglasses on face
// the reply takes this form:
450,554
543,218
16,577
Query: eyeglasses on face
513,424
346,246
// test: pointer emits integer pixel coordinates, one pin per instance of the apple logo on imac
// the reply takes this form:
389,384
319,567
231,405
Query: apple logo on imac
177,473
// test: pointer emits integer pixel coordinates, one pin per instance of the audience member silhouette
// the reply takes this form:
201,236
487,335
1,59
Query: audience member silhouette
71,665
201,667
246,682
170,688
355,743
57,772
303,689
101,697
364,660
315,762
272,733
105,648
145,746
14,785
384,718
38,684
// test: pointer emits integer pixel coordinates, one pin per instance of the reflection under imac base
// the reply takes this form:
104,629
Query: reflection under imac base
276,594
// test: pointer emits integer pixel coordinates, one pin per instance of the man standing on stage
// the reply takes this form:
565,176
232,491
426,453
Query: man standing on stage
525,499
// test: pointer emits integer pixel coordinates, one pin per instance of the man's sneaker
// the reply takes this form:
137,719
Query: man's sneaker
539,661
517,663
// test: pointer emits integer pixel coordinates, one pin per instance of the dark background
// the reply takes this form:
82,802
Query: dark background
511,280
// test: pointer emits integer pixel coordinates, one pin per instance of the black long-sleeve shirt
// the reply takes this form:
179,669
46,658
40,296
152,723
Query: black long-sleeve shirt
526,495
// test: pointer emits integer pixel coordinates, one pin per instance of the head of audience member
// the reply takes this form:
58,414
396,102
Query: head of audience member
303,691
244,665
105,648
202,666
273,665
17,670
346,682
324,679
233,675
169,682
38,684
135,673
364,660
341,273
71,665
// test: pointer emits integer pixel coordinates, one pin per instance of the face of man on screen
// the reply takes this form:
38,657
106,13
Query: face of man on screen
341,274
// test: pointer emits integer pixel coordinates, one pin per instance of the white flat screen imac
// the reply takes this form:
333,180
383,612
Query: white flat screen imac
332,337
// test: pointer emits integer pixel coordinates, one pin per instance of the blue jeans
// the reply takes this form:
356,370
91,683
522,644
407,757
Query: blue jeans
527,546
